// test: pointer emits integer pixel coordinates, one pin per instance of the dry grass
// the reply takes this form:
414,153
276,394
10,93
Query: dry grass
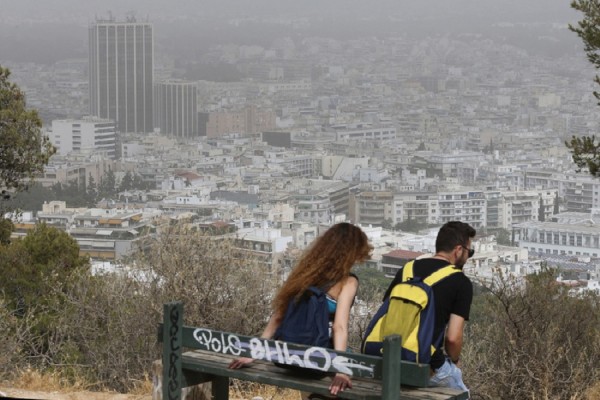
33,384
594,392
30,383
34,380
248,391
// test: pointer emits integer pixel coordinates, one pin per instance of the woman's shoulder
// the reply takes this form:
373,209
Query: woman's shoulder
352,280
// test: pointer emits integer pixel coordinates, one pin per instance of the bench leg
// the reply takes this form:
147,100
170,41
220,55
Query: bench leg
220,388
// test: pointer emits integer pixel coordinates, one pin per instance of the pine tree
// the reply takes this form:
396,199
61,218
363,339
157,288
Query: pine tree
24,151
586,149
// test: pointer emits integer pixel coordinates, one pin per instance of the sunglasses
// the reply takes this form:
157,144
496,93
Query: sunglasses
471,251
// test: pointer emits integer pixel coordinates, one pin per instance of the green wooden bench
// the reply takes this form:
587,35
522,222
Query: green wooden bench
385,378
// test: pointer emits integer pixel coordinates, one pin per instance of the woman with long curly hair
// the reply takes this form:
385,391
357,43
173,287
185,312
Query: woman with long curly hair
326,264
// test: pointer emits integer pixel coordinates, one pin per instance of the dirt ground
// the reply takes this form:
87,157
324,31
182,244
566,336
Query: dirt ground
79,395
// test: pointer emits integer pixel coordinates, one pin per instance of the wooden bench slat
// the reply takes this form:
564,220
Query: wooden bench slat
267,373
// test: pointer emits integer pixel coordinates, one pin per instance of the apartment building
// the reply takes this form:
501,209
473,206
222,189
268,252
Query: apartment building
459,164
80,172
467,206
313,206
360,133
582,195
88,133
101,234
371,207
290,163
421,207
248,120
267,245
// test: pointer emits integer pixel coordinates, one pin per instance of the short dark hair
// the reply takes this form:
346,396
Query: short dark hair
452,234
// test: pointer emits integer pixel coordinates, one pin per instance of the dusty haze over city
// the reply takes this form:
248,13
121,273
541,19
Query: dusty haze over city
47,31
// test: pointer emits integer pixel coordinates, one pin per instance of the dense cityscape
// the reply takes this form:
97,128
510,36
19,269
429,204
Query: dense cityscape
273,141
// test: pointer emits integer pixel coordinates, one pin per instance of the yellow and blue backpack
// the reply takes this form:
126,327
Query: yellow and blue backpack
409,311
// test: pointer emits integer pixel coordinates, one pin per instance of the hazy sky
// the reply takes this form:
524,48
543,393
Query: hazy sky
50,30
509,10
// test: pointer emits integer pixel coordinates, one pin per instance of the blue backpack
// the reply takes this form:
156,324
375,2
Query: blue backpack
306,321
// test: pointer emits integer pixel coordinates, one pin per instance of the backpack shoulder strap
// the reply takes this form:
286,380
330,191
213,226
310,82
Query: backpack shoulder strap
407,271
441,274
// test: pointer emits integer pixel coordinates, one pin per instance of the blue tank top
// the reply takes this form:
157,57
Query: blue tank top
331,304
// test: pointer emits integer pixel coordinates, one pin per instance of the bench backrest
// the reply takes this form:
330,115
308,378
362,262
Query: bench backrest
318,358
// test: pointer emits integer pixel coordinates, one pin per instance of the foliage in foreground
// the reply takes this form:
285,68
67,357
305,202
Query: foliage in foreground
526,342
102,329
586,150
533,342
24,151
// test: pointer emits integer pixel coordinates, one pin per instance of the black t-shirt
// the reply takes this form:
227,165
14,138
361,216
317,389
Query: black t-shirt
453,295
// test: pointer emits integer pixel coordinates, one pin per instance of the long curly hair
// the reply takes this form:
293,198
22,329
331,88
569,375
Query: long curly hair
327,262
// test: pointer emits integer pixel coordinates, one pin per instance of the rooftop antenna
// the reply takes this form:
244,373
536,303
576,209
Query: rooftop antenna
130,16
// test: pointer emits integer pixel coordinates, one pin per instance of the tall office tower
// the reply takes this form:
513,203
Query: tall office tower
121,73
175,109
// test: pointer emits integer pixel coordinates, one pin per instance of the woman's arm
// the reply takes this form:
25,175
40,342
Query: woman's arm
340,330
268,333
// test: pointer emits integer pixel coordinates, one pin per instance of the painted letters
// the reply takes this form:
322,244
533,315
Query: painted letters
317,358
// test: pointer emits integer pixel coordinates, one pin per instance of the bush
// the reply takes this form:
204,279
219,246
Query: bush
532,341
112,318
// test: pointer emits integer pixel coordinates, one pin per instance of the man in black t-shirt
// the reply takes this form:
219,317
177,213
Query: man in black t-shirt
453,297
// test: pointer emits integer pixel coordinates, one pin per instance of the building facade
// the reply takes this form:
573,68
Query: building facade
560,238
175,109
121,62
89,133
248,120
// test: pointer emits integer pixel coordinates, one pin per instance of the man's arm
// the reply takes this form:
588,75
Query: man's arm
454,337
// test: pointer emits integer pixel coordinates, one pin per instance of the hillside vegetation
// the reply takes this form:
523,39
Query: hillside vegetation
533,341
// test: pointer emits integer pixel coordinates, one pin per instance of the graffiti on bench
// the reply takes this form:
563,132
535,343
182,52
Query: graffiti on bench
318,358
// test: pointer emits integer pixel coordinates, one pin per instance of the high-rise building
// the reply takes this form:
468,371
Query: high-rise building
121,61
176,109
88,133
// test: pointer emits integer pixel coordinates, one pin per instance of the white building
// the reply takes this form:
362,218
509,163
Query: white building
361,133
421,207
75,135
568,234
467,206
